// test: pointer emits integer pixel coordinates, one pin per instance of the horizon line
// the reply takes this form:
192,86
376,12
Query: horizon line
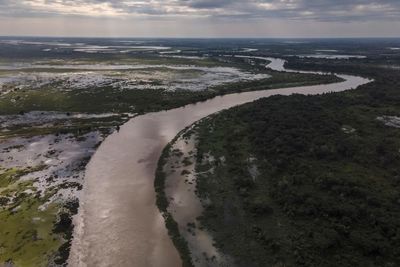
202,37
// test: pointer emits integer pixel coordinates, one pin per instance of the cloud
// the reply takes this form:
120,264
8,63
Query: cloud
319,10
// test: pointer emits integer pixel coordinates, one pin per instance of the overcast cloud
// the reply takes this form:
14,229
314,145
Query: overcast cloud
376,14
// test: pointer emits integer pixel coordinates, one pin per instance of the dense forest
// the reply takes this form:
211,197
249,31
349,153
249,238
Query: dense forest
307,180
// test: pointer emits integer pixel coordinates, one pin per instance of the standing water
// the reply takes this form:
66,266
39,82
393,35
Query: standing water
118,223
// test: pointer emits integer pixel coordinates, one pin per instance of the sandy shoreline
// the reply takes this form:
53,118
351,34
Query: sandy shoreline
184,204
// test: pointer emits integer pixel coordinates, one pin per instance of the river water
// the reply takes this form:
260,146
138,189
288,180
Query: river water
118,223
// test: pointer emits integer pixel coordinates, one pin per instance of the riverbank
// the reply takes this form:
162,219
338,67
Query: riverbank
176,187
42,164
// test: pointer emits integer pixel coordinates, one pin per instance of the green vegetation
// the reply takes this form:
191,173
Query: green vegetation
77,127
133,59
278,80
327,189
98,100
107,99
162,204
28,236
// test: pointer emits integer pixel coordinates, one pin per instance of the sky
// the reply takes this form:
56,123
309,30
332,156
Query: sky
201,18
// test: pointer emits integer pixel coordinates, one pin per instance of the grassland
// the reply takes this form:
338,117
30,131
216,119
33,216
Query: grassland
26,224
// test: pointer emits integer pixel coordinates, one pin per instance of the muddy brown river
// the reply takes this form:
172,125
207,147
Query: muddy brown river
118,223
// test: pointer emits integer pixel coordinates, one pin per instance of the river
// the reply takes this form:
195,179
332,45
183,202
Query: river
118,223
